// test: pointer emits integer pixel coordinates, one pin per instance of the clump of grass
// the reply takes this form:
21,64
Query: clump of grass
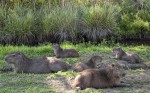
99,21
136,15
60,22
18,23
2,21
2,16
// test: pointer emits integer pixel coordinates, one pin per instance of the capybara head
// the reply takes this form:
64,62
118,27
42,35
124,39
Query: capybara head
118,51
56,46
96,59
14,57
118,70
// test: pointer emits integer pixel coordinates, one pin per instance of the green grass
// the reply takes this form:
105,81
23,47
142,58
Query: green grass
35,83
23,83
135,71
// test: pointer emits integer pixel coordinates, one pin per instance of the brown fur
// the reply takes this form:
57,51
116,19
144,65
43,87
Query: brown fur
126,56
92,63
125,65
100,78
64,53
37,65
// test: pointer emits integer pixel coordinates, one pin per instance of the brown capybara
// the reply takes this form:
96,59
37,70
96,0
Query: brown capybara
64,53
125,65
23,64
92,63
100,78
126,56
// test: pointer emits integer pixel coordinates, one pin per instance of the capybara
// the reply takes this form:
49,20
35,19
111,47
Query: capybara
100,78
92,63
127,65
126,56
23,64
64,53
124,64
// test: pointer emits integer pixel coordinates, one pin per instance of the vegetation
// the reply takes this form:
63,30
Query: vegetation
32,22
136,15
37,21
20,83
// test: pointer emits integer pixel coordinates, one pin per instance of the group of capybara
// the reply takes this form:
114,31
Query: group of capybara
92,74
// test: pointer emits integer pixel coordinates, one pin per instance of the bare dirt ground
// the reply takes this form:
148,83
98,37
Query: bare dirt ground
62,84
139,80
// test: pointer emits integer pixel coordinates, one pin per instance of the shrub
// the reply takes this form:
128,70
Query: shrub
134,19
38,21
99,21
60,22
2,16
18,23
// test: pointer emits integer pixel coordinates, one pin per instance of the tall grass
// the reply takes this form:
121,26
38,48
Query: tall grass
33,22
18,23
38,21
2,15
56,21
100,21
59,21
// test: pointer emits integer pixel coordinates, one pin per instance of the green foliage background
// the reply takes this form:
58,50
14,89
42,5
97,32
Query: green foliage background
37,21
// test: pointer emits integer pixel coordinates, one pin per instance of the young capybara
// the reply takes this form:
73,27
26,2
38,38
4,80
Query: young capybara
92,63
64,53
100,78
126,56
23,64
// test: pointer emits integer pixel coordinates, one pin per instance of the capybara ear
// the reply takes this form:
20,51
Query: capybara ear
113,65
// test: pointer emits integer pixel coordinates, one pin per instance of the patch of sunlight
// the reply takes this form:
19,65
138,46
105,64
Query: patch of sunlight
136,70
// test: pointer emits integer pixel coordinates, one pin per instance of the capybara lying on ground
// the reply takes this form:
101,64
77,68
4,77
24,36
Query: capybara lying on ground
36,65
100,78
92,63
124,64
64,53
126,56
